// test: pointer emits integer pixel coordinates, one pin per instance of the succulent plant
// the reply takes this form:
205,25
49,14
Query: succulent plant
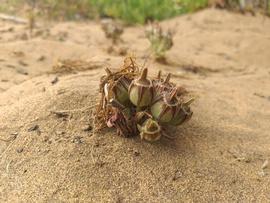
160,40
141,90
112,29
136,105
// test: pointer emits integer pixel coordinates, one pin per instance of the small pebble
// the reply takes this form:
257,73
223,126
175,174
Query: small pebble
22,71
55,80
261,173
22,63
178,174
33,128
41,58
60,114
136,153
19,150
15,133
77,140
61,91
60,132
265,164
18,53
46,138
87,127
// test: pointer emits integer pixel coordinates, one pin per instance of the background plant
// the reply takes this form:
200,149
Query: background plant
160,40
130,11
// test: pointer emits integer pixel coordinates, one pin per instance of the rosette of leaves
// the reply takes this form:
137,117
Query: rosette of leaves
134,104
160,40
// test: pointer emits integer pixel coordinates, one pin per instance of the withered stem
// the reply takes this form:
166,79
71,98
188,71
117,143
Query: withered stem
172,94
144,74
159,74
108,71
168,77
189,101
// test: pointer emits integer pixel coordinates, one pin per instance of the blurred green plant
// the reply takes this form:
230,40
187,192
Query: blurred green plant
66,9
131,11
140,11
112,29
160,40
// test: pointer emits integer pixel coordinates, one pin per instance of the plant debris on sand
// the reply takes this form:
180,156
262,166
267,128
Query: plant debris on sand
67,65
136,105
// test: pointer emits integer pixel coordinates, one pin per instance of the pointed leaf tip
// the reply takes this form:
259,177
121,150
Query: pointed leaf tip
168,77
159,74
108,71
144,74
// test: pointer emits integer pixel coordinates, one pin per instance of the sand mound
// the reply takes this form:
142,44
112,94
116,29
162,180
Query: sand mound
49,152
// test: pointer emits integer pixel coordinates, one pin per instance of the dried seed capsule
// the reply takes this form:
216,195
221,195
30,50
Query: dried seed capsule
182,114
150,130
166,85
141,90
142,116
120,90
121,119
164,108
127,112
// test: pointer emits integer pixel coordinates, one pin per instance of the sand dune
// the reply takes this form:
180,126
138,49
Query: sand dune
219,155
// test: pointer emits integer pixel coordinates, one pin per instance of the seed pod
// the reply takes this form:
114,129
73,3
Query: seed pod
121,119
142,116
127,112
157,81
164,108
120,90
150,130
182,114
141,90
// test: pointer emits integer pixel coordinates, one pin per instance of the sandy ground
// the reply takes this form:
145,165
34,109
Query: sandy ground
220,155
